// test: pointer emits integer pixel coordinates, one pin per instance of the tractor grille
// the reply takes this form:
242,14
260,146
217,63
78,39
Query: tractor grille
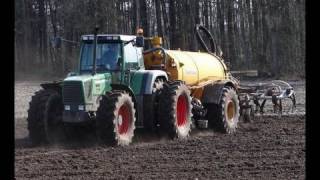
73,92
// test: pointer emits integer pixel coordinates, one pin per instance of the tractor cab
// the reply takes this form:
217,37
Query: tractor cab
113,53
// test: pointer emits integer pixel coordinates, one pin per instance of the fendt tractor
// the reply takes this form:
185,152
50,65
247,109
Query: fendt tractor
119,87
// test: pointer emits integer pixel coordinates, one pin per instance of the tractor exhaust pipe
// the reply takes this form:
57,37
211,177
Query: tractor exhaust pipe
94,50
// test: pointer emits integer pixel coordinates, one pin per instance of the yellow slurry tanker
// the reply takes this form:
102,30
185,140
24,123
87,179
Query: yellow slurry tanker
199,87
201,90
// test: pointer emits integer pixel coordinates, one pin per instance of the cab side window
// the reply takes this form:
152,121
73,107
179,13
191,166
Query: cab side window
130,55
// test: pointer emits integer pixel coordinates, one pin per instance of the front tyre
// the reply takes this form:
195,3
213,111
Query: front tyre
116,118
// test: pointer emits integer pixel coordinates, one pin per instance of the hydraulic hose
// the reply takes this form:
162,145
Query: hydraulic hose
213,45
199,27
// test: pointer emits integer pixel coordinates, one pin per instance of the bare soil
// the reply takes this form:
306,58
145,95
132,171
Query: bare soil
271,147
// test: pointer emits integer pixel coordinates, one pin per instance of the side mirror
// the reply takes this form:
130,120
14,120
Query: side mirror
139,41
56,42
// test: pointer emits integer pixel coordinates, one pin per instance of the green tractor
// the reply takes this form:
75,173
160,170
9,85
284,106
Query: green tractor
111,91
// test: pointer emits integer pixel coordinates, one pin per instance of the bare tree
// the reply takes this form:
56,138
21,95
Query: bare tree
260,34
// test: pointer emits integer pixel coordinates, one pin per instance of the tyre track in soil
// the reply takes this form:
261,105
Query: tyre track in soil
268,148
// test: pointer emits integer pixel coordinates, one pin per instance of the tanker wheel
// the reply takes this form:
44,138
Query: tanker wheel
224,117
175,110
115,120
45,117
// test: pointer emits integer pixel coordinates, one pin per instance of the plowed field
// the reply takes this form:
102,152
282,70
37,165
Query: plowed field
268,148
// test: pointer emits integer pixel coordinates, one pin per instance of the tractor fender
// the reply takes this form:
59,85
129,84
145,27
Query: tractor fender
125,88
55,85
146,79
212,92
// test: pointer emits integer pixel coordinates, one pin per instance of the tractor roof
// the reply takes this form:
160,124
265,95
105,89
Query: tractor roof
110,37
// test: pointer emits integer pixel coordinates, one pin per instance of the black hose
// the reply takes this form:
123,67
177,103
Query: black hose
213,50
199,27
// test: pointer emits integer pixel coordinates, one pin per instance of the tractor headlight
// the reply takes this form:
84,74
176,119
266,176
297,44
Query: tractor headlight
81,107
67,107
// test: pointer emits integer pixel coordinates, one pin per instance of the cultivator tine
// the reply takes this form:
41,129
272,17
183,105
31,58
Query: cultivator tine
280,106
262,106
293,99
294,102
277,104
256,102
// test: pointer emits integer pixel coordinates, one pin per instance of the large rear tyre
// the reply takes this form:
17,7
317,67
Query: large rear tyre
224,117
45,117
115,123
175,110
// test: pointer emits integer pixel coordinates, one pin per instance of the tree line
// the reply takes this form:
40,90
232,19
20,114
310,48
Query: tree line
253,34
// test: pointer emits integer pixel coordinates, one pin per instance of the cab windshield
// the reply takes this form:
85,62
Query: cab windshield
107,56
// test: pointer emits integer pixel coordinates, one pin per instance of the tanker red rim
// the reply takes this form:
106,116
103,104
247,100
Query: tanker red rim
124,119
182,110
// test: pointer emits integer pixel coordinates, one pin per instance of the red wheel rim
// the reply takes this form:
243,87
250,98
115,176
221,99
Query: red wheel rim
124,120
182,111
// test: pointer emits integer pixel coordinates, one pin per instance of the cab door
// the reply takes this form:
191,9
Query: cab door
131,62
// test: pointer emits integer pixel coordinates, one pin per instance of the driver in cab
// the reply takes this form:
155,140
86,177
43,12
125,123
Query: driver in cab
110,57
